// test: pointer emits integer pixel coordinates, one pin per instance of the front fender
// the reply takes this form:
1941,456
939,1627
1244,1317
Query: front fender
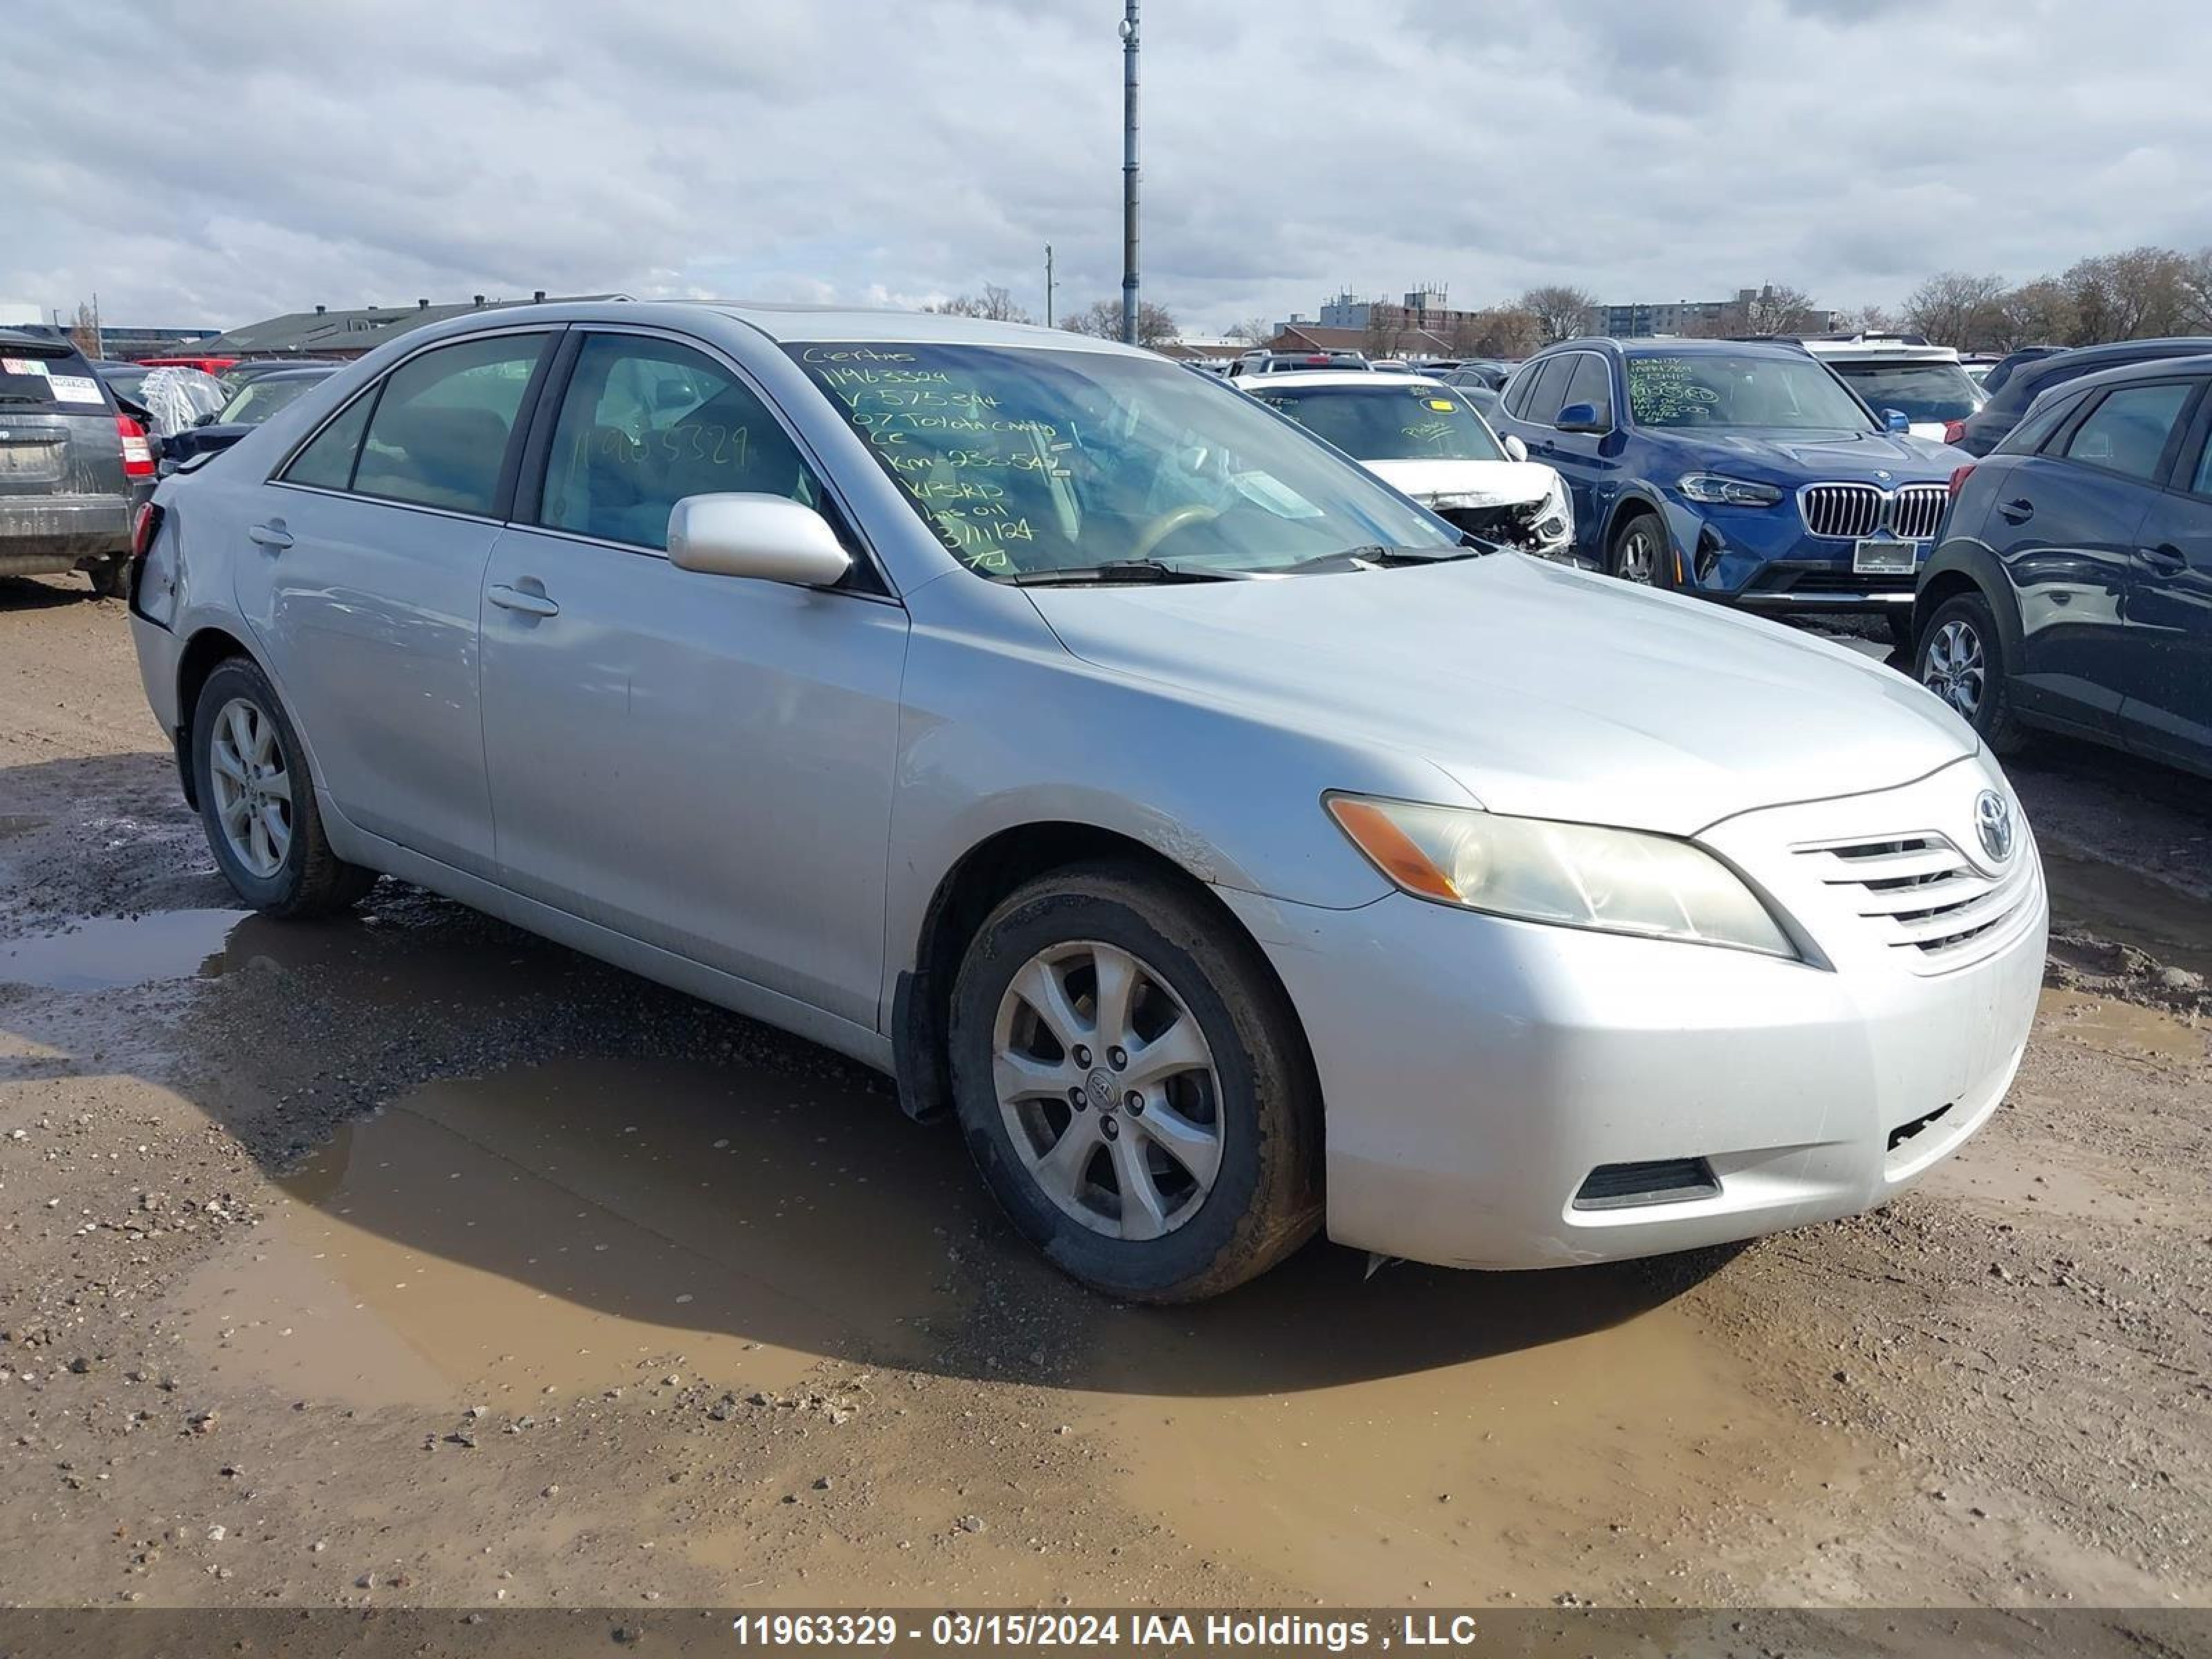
1960,561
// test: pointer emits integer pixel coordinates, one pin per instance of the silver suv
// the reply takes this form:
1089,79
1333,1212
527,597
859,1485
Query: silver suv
68,465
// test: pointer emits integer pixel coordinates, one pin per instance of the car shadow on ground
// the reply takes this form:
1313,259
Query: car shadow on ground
429,1086
28,593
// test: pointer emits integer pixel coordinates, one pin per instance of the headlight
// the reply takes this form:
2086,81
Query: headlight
1570,875
1715,490
1559,504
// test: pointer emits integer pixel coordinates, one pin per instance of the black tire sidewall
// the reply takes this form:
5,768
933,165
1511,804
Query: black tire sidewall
239,677
1259,1090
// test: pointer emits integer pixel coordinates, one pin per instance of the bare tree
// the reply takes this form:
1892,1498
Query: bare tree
1506,331
85,332
1156,323
1866,319
1386,331
2129,296
2195,281
1253,330
1774,310
2040,313
1561,312
1957,308
994,304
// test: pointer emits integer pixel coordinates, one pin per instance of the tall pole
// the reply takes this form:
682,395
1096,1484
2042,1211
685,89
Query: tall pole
1048,284
1129,174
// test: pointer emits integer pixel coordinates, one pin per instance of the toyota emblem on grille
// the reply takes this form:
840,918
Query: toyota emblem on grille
1993,823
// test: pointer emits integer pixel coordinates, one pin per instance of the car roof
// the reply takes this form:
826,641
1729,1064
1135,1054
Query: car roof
2119,351
2142,368
1881,351
793,325
1653,345
1364,380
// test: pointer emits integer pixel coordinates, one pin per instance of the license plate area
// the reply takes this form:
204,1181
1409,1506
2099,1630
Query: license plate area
1885,555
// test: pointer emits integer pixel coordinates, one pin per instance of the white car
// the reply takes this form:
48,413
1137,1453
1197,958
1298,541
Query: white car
1903,374
1429,440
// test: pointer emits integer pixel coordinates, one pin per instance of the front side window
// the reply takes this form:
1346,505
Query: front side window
438,434
646,422
1027,461
1717,389
2127,432
1388,423
1548,394
1922,391
1592,385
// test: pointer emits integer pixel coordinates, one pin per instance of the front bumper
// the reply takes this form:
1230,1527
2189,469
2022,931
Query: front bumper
1764,559
41,533
1477,1070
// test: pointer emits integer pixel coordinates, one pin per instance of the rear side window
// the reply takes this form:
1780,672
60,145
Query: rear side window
2128,431
327,462
1593,385
48,382
438,436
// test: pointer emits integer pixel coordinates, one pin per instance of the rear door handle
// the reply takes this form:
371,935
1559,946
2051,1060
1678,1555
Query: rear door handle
2166,558
2019,510
272,535
514,598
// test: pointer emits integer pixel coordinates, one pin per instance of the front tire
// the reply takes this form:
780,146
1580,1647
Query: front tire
111,578
1639,552
1961,659
1134,1087
257,801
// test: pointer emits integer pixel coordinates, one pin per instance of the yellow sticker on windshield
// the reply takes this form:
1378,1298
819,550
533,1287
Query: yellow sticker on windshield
1439,403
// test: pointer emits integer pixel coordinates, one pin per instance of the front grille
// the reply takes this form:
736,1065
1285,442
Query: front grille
1923,896
1663,1181
1849,511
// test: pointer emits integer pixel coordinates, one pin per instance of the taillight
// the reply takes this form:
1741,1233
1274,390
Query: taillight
144,529
1954,432
137,453
1958,476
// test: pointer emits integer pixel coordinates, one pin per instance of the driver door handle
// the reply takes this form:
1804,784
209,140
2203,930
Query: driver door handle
272,535
2019,510
2166,558
514,598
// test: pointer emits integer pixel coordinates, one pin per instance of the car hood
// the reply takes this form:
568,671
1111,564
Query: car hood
1540,689
1466,483
1793,458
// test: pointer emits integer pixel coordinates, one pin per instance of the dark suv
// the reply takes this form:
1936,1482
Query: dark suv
2013,389
1747,473
2073,589
70,465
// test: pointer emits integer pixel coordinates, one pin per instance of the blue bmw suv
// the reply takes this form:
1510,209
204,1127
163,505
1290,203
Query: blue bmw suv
1743,472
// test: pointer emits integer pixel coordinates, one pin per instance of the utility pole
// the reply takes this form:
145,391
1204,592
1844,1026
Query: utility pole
1129,174
1048,284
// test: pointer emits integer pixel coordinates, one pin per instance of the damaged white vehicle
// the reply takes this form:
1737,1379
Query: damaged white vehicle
1424,437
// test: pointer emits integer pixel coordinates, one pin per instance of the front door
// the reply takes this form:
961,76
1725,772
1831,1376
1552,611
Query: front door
703,762
362,583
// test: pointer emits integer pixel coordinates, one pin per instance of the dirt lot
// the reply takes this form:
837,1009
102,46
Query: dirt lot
409,1260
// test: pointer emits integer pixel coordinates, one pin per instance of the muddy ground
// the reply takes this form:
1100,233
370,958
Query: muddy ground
409,1260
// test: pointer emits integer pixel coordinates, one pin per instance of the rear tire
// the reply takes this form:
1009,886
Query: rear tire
258,800
111,578
1214,1176
1899,622
1639,552
1961,658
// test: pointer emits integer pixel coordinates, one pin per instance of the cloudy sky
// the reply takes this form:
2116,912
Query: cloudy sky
212,161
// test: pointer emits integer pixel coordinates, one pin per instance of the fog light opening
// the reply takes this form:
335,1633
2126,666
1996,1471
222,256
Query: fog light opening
1663,1181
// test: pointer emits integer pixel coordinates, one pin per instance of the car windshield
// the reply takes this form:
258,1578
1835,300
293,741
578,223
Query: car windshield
1715,389
1024,461
1388,423
257,400
1924,391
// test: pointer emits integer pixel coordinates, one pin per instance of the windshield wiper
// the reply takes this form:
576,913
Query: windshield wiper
1375,555
1134,571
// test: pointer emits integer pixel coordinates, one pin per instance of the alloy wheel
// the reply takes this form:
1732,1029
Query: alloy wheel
1955,669
1639,554
1109,1090
252,791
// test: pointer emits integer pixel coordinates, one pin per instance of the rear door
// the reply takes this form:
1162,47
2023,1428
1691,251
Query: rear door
2169,672
2065,521
362,577
62,490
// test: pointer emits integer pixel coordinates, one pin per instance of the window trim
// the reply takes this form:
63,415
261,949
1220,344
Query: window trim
2185,421
868,579
503,490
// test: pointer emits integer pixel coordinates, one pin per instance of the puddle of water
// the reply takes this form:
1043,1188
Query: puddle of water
2122,1027
105,953
2154,916
559,1227
1436,1434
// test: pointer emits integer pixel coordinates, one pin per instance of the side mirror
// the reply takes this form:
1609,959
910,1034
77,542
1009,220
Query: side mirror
1896,420
768,538
1581,417
1515,449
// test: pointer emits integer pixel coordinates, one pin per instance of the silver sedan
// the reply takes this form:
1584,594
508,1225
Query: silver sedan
1231,847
